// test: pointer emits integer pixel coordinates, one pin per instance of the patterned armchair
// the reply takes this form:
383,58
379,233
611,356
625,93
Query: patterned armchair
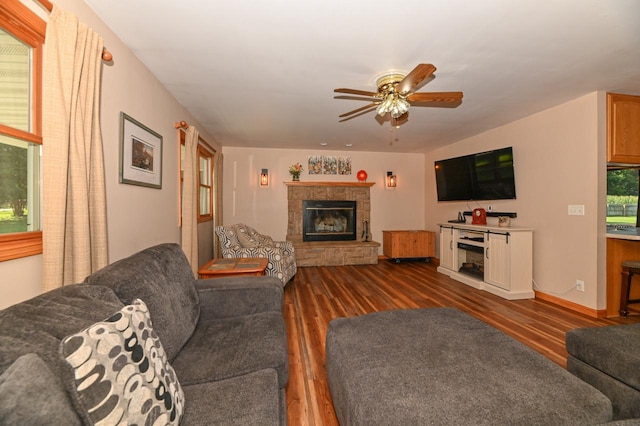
243,241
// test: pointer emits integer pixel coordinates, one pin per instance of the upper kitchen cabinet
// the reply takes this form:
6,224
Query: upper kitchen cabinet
623,128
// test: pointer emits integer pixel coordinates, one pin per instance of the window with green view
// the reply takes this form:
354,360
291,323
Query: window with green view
622,196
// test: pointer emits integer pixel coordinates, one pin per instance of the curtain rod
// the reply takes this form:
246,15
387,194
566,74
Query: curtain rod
181,125
106,55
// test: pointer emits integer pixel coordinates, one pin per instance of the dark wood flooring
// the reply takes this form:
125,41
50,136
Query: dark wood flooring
319,294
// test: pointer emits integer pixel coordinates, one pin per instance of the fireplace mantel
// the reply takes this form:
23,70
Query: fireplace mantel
306,183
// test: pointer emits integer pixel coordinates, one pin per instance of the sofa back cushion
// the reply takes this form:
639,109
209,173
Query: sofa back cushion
67,309
162,278
37,325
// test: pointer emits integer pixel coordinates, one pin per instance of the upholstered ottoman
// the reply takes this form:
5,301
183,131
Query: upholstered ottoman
441,366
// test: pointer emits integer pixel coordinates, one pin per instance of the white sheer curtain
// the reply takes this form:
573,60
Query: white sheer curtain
74,206
190,191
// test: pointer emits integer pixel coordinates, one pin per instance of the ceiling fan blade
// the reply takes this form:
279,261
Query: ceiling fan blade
351,117
356,92
435,97
415,77
353,98
355,111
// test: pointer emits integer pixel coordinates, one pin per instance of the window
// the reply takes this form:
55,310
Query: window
205,178
21,38
205,202
622,196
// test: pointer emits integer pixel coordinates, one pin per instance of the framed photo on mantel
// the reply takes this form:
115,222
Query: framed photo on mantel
140,154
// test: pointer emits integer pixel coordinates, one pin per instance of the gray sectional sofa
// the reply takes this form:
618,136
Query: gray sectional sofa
608,358
224,340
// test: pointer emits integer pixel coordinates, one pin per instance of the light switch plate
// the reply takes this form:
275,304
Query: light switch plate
576,209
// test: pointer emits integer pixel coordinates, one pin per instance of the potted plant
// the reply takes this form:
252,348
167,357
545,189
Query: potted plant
295,170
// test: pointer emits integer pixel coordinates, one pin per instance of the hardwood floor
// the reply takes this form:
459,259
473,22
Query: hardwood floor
319,294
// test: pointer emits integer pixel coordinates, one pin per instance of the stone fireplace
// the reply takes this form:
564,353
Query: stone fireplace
330,253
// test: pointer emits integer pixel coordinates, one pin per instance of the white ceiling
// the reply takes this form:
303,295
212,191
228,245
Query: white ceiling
262,73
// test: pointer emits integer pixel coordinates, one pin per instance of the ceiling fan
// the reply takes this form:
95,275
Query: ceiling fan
395,94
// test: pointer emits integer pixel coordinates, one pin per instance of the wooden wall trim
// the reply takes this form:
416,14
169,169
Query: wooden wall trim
594,313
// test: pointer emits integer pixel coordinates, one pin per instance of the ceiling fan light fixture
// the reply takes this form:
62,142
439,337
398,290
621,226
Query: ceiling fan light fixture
386,105
389,79
393,104
396,91
400,107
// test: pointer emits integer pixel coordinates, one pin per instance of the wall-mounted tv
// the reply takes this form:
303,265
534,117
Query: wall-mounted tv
483,176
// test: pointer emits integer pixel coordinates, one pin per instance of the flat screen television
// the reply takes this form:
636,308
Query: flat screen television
483,176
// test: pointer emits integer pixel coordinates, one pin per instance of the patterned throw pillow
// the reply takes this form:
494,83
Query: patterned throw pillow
119,372
246,240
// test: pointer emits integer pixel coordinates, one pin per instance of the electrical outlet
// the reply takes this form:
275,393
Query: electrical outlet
579,285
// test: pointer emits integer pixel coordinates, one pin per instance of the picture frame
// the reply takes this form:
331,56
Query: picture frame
140,154
329,165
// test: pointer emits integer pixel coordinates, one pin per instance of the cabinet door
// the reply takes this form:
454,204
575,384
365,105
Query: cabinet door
447,259
497,261
623,128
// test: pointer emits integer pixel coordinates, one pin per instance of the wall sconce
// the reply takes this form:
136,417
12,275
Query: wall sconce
392,181
264,177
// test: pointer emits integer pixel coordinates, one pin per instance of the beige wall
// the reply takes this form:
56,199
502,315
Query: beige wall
559,160
266,208
137,217
559,155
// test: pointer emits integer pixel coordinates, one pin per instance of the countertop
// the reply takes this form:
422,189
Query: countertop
630,233
485,228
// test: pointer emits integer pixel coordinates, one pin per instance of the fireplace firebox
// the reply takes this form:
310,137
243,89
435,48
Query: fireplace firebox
328,220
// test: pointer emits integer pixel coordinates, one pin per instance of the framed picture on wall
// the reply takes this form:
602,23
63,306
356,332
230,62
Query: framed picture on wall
140,154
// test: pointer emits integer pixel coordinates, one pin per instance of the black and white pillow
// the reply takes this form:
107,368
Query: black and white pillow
120,373
246,240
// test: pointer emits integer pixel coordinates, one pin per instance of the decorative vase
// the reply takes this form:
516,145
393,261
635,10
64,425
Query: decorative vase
295,177
362,175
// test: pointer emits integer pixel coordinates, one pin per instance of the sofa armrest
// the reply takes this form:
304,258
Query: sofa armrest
285,246
236,296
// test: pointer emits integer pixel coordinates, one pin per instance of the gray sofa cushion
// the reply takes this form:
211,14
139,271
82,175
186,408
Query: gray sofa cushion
67,309
251,399
31,395
614,350
624,399
18,338
236,296
38,324
234,346
162,278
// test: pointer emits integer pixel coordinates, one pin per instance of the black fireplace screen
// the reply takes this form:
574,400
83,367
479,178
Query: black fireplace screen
328,220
